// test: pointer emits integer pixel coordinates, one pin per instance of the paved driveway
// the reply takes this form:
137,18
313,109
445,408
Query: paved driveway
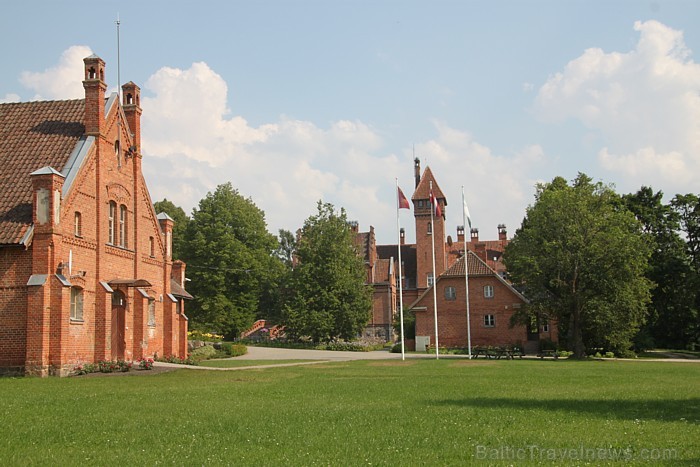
269,353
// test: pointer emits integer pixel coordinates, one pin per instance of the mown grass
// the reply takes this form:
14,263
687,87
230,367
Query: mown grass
237,363
417,412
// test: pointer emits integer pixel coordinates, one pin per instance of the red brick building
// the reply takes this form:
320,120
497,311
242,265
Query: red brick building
85,263
490,315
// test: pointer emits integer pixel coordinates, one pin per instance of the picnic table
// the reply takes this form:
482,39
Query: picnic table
498,352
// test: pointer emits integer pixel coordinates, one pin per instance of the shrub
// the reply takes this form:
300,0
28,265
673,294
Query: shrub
85,368
146,364
396,348
110,366
203,352
236,350
204,336
609,355
178,360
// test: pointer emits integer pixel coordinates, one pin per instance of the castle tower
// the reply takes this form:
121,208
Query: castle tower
425,230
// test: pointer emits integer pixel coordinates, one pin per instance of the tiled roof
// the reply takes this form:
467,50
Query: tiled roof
32,135
476,267
423,188
178,291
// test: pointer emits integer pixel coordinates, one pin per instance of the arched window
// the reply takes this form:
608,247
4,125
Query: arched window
76,303
122,227
112,223
152,246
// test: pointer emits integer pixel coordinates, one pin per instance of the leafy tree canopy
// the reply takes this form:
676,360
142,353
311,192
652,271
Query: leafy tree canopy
230,259
328,295
673,311
580,256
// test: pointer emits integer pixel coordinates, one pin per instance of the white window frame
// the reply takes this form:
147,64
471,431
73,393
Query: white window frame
112,218
122,226
488,291
76,304
431,279
489,321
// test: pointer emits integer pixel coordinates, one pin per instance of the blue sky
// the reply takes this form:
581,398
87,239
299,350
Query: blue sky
296,101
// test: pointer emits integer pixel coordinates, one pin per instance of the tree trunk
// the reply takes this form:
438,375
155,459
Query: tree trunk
577,334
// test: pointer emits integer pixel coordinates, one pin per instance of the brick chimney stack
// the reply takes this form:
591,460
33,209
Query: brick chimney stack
475,235
502,234
131,103
178,273
460,233
95,88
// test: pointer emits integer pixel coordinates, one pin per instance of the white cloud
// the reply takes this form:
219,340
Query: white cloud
62,81
498,188
192,142
10,97
644,104
191,139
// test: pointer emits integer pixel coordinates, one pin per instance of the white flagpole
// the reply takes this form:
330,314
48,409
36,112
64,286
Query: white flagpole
432,238
466,271
398,233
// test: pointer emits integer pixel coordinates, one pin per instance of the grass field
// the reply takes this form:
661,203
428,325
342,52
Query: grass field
238,362
418,412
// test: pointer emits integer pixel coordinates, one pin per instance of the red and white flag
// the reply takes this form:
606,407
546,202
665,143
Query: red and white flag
403,201
436,205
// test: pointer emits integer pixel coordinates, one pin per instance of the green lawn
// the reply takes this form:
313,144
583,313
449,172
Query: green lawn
418,412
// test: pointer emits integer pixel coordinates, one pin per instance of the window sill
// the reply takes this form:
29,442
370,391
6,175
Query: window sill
151,325
76,321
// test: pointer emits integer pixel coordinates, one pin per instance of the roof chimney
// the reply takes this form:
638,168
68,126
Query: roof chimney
95,88
502,232
475,235
131,103
460,233
416,170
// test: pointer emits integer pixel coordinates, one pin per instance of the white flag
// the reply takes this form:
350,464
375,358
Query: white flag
467,217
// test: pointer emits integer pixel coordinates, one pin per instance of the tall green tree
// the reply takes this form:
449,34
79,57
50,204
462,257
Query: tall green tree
328,295
581,256
177,214
230,259
673,316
